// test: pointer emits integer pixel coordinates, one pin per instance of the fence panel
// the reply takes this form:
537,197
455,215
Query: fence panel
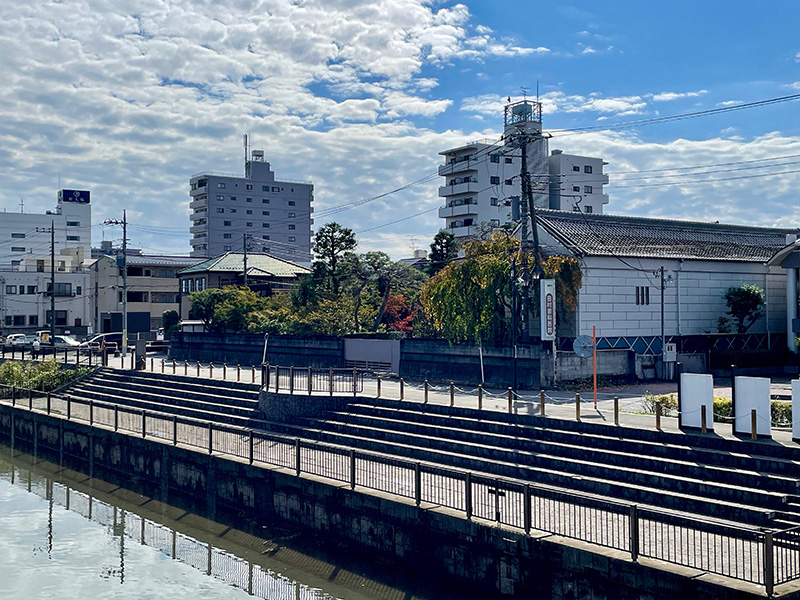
273,450
443,487
385,474
333,463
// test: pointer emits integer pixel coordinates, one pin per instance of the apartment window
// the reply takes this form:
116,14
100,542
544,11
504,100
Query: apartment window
33,320
495,158
494,180
509,182
32,289
221,186
163,298
185,285
9,320
226,223
61,317
226,236
249,186
18,235
264,188
587,209
19,320
275,188
200,284
265,224
226,248
642,295
264,237
220,210
508,160
248,199
576,168
73,223
249,212
291,215
587,189
248,224
220,197
11,289
587,169
232,210
493,201
17,248
265,201
292,227
138,296
73,238
233,198
265,213
291,238
291,202
78,290
576,188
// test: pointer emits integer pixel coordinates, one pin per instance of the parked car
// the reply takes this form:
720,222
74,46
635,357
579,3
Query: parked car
66,341
110,341
19,339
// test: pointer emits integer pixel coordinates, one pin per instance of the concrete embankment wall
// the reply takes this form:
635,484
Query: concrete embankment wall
484,560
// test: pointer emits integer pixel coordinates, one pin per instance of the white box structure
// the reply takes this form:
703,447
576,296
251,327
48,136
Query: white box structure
752,393
795,409
697,391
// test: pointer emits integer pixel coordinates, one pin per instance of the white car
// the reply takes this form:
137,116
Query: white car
19,339
66,341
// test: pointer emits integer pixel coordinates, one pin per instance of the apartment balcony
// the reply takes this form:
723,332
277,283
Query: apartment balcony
463,232
198,203
459,188
199,228
457,211
471,164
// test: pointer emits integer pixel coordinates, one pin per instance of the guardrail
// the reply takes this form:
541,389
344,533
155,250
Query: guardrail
758,556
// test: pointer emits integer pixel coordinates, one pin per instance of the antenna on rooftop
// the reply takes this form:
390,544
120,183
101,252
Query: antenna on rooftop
246,155
525,92
22,205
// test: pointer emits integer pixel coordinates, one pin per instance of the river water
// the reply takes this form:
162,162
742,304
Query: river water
64,536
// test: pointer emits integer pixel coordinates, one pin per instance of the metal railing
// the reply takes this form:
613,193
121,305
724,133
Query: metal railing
309,380
758,556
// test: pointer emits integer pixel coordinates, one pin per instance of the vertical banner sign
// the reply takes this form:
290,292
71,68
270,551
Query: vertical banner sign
547,309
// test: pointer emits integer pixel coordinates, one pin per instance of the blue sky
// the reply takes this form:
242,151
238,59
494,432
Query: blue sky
129,99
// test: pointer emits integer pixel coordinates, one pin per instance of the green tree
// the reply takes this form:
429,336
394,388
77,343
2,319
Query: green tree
745,305
226,309
443,250
170,321
331,242
204,306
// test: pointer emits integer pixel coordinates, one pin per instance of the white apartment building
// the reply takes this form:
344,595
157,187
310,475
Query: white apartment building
482,178
24,233
274,215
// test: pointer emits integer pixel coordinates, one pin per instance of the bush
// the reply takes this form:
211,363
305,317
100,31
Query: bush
781,412
669,404
44,376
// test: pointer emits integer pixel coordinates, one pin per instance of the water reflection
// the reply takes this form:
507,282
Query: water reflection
127,546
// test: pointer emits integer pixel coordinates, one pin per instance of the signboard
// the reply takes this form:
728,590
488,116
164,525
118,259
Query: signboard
79,196
547,308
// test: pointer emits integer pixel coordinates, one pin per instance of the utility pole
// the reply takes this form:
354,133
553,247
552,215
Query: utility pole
52,282
124,224
244,246
663,337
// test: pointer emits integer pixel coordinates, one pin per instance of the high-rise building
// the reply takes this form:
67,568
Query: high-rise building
482,178
273,216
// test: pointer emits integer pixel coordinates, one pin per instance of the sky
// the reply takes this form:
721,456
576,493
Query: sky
130,98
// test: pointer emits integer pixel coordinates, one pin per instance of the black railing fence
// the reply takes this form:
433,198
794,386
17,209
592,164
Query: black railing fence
754,555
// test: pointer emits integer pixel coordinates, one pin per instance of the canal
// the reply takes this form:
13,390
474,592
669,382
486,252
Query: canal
65,535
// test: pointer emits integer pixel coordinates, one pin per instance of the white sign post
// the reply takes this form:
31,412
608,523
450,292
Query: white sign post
752,393
547,308
697,391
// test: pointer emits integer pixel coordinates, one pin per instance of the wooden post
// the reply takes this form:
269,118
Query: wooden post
426,392
541,402
703,427
379,386
452,394
198,368
152,363
658,415
510,400
616,411
210,370
753,425
402,388
252,374
577,406
162,365
480,396
239,374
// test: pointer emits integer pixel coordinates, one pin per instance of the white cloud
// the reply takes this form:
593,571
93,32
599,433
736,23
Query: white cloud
670,96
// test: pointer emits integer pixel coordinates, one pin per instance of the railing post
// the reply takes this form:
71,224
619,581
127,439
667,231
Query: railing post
480,396
355,382
297,456
224,371
210,370
468,494
541,402
402,388
69,408
769,563
30,399
239,374
116,417
426,391
252,374
527,517
174,430
452,394
144,423
379,386
210,438
577,406
658,415
251,445
616,411
310,381
418,483
48,403
703,417
352,469
277,378
291,380
152,363
14,396
633,527
330,381
510,400
753,425
162,365
91,412
198,368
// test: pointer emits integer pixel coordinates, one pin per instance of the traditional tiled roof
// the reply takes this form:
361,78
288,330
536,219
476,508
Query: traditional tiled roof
147,260
642,237
263,265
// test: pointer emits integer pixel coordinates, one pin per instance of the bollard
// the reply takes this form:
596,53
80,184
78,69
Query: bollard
426,392
480,396
510,400
121,361
753,425
541,402
658,415
30,398
616,411
310,381
703,417
452,394
577,406
330,381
